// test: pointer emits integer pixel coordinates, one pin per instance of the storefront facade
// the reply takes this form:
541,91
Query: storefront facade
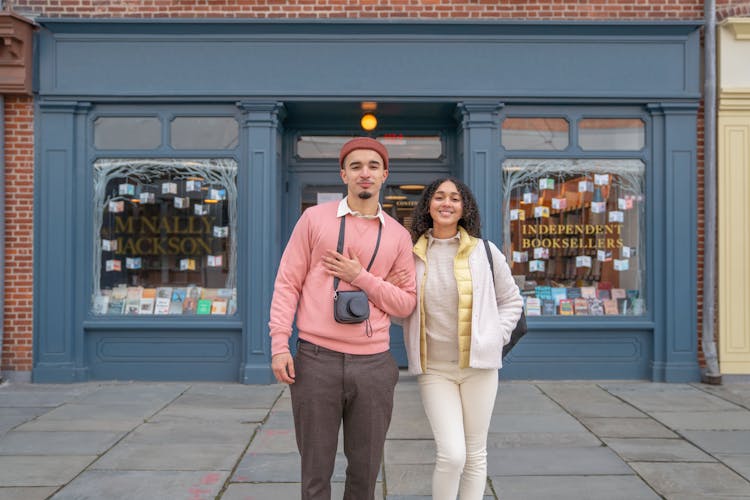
172,159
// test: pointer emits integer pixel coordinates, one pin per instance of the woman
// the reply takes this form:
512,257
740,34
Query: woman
454,339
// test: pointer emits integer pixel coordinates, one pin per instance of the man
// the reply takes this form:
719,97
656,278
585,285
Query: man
342,371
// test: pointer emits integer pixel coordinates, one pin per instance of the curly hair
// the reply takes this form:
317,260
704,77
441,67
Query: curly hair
422,220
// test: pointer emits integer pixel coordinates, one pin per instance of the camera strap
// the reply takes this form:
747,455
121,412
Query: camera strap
340,247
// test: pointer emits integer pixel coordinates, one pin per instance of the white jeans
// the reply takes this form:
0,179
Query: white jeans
458,403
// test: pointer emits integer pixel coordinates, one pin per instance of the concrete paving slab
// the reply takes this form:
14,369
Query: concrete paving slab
231,396
122,411
80,425
410,451
39,493
279,468
185,413
568,461
572,488
151,394
518,402
692,480
705,420
196,433
273,441
144,485
727,442
281,419
57,443
738,394
588,400
13,417
627,427
19,470
543,439
31,395
562,423
170,457
280,491
738,463
405,426
655,397
657,450
412,481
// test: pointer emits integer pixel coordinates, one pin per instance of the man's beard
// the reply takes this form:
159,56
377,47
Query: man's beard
365,195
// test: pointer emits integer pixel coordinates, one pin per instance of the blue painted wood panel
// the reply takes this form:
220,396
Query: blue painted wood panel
277,59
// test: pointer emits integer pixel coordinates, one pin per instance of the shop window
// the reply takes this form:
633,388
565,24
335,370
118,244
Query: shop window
127,132
574,235
165,237
399,146
536,134
611,134
204,132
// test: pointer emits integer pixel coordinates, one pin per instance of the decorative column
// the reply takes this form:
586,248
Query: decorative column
260,220
672,231
733,148
479,163
60,296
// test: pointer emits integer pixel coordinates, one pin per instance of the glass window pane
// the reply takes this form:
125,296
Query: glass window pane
204,132
165,237
413,147
399,146
127,132
611,134
541,134
574,235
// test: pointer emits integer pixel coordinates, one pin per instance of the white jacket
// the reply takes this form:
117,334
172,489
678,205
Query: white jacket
495,310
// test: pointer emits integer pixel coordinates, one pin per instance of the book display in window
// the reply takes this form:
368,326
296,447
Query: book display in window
164,235
572,230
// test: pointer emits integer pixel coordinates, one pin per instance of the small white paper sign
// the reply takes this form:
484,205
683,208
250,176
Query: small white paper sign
626,252
517,214
169,188
127,189
187,265
622,264
541,253
218,194
616,216
603,255
546,183
601,179
182,202
559,203
625,203
598,207
113,265
530,198
147,198
116,206
193,186
583,261
541,211
109,245
133,263
200,209
536,265
221,231
520,256
215,260
584,186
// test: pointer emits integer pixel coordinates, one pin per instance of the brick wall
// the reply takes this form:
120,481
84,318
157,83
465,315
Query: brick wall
425,9
19,210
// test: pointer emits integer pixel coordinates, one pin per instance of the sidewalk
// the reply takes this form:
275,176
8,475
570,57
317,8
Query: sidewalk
548,440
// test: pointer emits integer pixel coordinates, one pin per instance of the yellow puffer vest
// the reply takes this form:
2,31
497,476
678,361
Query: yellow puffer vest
461,271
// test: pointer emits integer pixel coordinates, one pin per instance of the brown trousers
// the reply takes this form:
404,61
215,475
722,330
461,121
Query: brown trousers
330,387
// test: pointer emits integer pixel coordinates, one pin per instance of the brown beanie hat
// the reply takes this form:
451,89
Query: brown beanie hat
364,143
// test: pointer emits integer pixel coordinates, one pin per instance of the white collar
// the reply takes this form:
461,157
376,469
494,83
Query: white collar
431,239
344,209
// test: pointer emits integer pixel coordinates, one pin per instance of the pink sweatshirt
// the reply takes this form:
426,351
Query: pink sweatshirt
304,286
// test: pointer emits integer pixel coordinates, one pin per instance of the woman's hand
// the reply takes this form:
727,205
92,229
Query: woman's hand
398,278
